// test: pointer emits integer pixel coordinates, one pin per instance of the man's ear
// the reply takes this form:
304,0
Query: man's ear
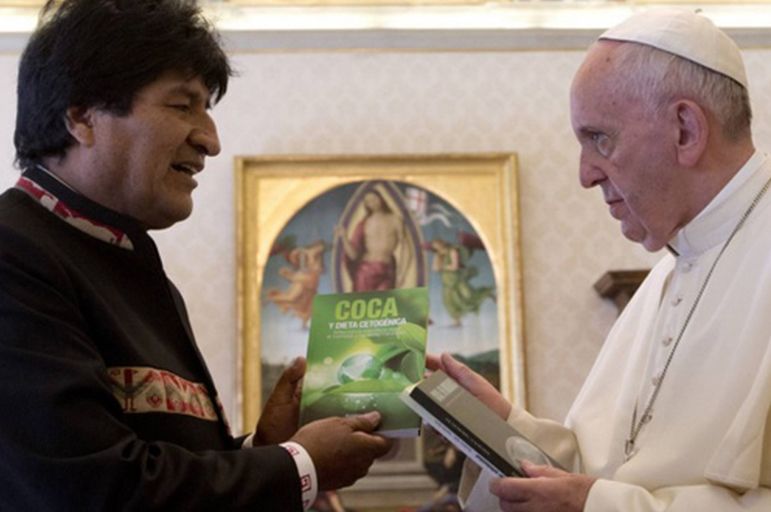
693,130
79,121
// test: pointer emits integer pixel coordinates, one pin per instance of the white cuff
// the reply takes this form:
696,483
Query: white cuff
307,471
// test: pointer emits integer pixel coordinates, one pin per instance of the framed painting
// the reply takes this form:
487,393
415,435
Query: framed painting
311,225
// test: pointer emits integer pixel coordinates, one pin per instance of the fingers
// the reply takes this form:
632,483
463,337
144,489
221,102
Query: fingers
364,422
457,370
476,385
553,489
513,490
288,384
295,371
464,375
433,362
378,445
342,449
536,470
447,363
278,421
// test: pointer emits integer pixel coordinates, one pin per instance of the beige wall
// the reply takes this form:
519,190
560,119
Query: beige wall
316,102
432,103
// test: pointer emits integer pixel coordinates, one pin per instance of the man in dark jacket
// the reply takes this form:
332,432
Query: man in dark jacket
107,402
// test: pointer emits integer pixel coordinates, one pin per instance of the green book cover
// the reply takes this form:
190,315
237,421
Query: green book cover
363,350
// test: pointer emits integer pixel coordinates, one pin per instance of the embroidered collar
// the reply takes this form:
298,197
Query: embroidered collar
714,224
41,185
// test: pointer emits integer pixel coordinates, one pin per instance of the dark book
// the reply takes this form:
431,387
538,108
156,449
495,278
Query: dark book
473,427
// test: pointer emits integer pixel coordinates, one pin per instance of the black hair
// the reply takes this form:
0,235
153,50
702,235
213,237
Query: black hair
100,53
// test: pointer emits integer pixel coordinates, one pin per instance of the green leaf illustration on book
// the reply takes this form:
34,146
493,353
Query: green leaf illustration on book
413,337
358,367
363,350
390,350
412,366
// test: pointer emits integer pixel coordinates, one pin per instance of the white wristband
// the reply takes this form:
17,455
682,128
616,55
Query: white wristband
307,471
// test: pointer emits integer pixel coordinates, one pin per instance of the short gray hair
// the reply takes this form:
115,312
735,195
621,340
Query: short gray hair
657,77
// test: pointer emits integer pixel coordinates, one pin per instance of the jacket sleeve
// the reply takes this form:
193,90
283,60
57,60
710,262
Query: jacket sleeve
62,440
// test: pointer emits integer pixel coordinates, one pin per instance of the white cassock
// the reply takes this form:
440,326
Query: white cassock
707,447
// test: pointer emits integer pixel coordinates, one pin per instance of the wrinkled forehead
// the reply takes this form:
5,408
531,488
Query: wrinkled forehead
605,76
600,65
599,91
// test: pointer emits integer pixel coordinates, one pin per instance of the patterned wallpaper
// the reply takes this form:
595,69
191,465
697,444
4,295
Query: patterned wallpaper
412,102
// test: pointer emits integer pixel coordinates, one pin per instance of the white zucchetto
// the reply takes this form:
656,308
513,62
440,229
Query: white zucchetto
686,34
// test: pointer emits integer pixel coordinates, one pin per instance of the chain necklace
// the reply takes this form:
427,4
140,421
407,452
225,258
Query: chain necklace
637,425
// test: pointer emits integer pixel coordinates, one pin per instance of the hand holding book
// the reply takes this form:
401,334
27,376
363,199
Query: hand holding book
474,428
278,421
471,381
332,440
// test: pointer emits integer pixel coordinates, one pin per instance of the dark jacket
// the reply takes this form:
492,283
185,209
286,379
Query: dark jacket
106,402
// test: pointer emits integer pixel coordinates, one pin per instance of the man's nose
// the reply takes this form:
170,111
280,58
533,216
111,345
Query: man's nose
590,173
204,136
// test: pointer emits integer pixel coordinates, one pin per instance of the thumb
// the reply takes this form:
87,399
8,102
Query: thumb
536,470
433,362
453,367
290,378
364,422
461,373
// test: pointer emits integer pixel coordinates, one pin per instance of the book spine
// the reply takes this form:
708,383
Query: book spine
476,448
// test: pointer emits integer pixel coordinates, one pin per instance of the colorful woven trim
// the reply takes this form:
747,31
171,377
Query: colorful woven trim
72,217
143,389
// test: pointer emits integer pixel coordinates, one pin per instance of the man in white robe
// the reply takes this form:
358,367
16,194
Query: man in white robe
675,414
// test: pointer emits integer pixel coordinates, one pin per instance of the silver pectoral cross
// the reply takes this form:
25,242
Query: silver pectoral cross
629,450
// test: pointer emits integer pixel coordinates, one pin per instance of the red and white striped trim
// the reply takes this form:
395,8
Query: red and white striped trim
94,228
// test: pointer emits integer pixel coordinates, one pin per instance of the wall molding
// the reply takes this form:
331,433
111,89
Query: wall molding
430,40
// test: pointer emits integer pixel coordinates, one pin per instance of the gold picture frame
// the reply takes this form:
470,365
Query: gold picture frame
271,190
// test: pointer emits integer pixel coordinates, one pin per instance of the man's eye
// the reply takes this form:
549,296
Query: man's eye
602,143
182,107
